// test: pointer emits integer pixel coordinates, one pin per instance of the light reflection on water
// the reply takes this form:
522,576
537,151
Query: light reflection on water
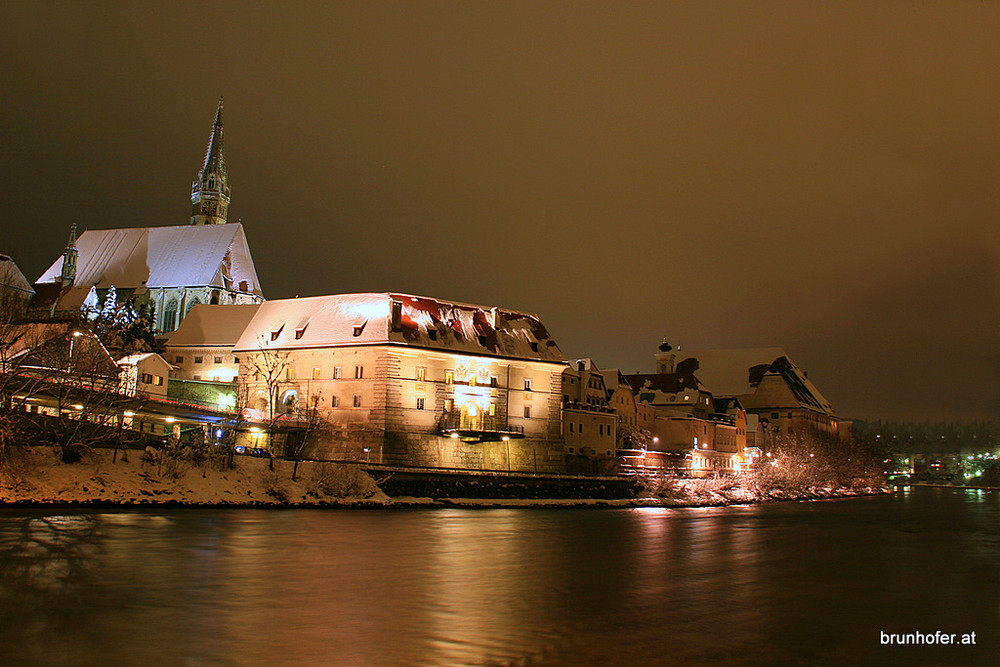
776,583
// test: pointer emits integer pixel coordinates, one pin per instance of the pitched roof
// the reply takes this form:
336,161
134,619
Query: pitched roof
359,319
737,373
178,256
213,325
11,277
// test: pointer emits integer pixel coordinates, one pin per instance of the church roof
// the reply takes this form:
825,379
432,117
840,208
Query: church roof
213,325
215,159
181,256
365,319
11,277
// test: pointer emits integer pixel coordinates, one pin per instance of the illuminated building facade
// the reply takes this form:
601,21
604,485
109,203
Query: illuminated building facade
404,380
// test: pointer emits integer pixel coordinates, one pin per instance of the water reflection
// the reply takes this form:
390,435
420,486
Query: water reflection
758,584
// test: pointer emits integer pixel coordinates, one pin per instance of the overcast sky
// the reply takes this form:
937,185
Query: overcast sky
822,177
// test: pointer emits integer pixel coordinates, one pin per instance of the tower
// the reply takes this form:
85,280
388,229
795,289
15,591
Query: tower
210,191
68,273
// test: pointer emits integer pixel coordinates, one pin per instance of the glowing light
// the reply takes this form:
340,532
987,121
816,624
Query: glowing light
218,433
129,413
227,401
254,429
78,407
170,420
655,439
506,438
455,436
77,333
473,410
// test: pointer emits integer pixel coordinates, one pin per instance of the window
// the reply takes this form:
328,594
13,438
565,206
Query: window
420,404
493,381
421,374
534,347
571,449
178,360
289,373
774,415
197,377
472,380
527,384
218,360
158,380
600,428
449,377
581,429
197,360
316,372
493,409
448,404
336,372
335,401
527,412
432,334
571,428
357,401
359,372
147,378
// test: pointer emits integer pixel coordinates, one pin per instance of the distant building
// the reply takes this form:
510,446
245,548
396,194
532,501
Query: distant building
589,423
174,268
406,380
766,382
15,291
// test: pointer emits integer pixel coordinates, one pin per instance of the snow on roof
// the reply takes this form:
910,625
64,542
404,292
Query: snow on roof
185,255
663,388
134,359
728,372
11,277
358,319
213,325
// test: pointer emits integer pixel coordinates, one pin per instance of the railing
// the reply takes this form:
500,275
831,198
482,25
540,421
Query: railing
455,422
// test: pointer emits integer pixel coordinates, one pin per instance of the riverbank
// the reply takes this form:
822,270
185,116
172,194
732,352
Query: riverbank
35,476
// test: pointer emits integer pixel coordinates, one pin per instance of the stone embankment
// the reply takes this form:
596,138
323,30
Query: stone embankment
35,476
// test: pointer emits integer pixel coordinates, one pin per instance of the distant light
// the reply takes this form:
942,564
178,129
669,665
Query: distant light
506,438
454,435
655,439
77,333
129,413
218,433
254,429
78,407
170,420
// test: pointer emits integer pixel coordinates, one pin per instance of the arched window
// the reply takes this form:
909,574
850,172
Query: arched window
289,400
170,316
191,304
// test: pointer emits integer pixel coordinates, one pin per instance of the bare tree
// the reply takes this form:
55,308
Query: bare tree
271,368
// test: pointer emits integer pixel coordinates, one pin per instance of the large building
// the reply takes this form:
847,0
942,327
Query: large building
406,380
174,268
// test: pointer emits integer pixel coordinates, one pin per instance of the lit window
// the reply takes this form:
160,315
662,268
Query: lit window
315,372
527,412
527,384
357,401
420,404
359,372
448,404
336,372
289,373
218,360
493,410
449,377
335,402
472,380
421,374
158,380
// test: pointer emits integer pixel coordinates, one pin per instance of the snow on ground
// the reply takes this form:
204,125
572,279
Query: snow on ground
35,475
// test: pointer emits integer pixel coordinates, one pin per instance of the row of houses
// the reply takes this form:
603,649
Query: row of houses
392,378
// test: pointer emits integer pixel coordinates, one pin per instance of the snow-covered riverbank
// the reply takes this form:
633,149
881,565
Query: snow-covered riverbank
37,477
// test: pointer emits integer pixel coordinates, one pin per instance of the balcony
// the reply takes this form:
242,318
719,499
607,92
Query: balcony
480,428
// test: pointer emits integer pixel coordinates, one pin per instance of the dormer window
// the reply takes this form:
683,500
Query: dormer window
432,334
534,347
359,328
277,332
301,331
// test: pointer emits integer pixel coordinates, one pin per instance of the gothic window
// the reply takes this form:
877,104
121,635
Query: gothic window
191,304
170,316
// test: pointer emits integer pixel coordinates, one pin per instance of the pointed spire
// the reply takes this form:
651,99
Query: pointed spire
215,158
68,273
210,191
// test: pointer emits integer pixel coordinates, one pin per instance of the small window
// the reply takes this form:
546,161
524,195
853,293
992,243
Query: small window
420,404
534,347
527,384
357,401
316,372
300,332
493,381
449,377
236,360
571,428
335,401
336,372
197,360
600,428
581,429
289,373
276,332
789,415
493,409
774,415
197,377
147,378
472,380
527,412
158,380
432,334
421,374
178,360
449,404
218,360
359,372
607,453
570,450
359,328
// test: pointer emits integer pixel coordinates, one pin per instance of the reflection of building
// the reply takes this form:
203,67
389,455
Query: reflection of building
174,268
409,380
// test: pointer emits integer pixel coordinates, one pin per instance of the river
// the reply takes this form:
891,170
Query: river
780,583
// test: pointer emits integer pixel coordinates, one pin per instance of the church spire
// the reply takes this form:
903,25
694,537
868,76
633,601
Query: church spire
68,273
210,191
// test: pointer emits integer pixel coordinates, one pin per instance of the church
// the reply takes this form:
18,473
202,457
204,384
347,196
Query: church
173,268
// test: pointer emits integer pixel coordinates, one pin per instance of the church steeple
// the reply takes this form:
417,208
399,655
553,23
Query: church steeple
210,191
68,274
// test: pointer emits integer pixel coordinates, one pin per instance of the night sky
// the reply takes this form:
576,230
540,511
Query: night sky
823,177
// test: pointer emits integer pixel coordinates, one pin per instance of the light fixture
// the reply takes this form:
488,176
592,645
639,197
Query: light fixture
170,420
